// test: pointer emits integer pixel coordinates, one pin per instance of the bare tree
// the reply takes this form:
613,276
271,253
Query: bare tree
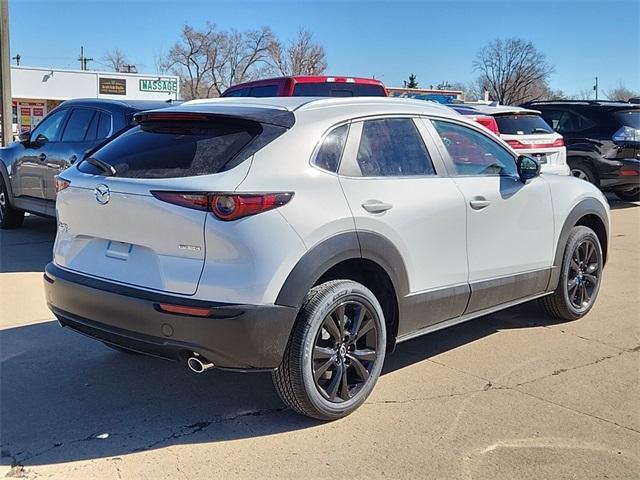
115,59
302,56
513,70
209,60
621,93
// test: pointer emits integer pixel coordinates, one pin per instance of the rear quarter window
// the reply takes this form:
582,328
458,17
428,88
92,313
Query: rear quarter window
629,118
168,149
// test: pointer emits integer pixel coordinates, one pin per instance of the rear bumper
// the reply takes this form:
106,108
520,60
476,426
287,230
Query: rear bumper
232,336
562,169
622,174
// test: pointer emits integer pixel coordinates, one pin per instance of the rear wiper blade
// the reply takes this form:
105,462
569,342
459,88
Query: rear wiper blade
540,130
104,166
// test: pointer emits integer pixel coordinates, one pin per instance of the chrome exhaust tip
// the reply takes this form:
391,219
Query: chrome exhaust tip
199,364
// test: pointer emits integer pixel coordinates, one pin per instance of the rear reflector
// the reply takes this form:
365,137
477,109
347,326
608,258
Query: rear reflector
629,171
518,145
184,310
226,206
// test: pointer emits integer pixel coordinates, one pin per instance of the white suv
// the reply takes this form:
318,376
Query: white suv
310,236
525,131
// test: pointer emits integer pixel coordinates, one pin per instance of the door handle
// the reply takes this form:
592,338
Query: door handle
478,203
42,157
376,206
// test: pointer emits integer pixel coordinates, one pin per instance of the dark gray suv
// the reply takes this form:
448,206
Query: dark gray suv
28,168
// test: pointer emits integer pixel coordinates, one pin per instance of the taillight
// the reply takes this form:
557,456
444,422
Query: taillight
61,184
235,206
517,144
198,201
226,206
487,122
627,134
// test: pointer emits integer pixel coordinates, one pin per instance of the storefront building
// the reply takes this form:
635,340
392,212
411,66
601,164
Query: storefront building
36,91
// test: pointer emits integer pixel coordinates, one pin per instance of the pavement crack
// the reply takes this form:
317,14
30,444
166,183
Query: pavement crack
197,427
424,399
561,371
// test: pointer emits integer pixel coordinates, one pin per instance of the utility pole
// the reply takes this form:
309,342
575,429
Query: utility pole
17,59
595,87
83,60
5,75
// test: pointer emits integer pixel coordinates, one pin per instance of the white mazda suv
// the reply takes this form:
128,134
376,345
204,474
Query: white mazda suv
309,237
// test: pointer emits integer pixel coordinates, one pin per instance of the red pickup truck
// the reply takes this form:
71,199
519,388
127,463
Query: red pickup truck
309,86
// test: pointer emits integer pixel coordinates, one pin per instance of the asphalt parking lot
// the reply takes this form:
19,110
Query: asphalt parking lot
512,395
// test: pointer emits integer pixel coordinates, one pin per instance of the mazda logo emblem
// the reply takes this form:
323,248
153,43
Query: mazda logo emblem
103,195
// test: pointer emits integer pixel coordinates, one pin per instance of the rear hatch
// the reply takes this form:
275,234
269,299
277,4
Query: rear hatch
627,137
529,134
110,224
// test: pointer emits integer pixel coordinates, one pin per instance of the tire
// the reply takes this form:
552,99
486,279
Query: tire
584,171
632,195
581,273
321,353
9,216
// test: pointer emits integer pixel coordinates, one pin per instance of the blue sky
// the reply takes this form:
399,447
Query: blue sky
389,40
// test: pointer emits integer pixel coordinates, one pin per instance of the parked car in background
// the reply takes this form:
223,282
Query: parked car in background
28,167
524,130
310,236
309,86
602,139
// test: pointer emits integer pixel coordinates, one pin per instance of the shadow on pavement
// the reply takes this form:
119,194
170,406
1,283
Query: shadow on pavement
67,398
28,248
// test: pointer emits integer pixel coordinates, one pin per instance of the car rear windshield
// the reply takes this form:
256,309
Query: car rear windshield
334,89
629,118
167,149
522,124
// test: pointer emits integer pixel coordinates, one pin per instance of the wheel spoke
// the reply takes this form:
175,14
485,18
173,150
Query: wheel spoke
338,315
332,389
344,385
320,353
592,279
360,369
364,355
574,264
364,329
357,321
317,373
331,328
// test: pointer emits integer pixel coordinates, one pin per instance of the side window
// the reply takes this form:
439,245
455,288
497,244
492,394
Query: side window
473,153
392,147
552,117
78,125
49,129
241,92
329,153
104,126
571,122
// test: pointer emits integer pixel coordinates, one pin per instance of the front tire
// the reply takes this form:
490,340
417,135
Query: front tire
335,353
9,216
580,276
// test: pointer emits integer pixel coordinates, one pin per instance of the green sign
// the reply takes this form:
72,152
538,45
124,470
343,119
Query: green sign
158,86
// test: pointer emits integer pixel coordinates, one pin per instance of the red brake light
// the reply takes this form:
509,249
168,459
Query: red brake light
226,206
146,117
517,144
61,184
198,201
232,206
487,122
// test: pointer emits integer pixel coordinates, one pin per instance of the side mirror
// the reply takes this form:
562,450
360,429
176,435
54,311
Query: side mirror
24,137
528,168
